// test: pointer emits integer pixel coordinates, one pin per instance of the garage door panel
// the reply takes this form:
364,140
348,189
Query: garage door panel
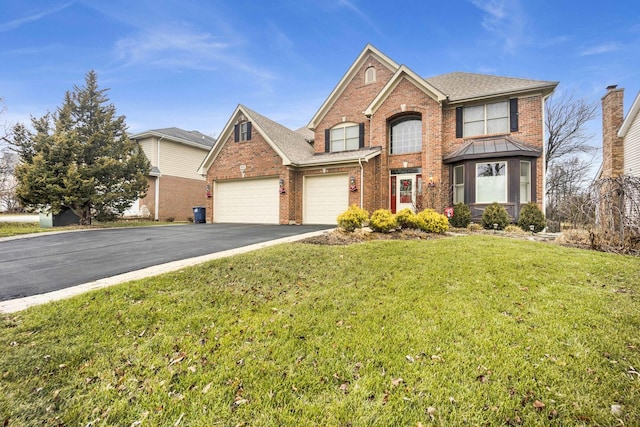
254,201
325,197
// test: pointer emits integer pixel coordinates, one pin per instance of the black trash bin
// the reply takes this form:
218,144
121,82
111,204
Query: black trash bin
199,215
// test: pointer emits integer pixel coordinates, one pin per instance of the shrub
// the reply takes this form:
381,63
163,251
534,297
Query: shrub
406,218
461,216
495,213
474,227
352,218
431,221
382,221
513,229
530,214
170,219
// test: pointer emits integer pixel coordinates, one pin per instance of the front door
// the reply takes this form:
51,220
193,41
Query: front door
404,195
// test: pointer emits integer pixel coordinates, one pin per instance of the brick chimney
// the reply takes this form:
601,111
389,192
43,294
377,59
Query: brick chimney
612,118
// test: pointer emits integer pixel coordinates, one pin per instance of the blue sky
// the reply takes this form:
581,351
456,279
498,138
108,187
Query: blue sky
188,63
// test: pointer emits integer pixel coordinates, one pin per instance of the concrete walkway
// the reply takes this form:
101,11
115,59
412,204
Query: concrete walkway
19,304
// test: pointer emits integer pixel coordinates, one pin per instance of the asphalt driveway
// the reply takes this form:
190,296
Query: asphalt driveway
49,262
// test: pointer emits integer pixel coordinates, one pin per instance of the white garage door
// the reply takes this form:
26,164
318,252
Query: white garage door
325,197
254,201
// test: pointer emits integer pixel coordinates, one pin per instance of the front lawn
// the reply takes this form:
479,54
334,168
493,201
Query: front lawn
475,330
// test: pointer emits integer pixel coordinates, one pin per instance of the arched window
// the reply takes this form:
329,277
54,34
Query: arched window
369,75
406,135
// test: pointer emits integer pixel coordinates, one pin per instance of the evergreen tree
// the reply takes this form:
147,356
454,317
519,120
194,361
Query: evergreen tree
81,158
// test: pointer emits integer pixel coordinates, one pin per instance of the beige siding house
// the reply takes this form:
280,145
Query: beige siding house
175,187
630,134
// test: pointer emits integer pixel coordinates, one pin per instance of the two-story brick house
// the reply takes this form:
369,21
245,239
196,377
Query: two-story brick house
385,138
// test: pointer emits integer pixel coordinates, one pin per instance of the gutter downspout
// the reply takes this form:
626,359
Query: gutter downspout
361,182
157,196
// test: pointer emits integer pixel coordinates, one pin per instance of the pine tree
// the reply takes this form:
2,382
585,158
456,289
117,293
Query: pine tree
81,158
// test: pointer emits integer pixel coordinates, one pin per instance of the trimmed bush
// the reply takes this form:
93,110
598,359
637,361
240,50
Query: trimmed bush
495,213
474,227
431,221
352,218
461,216
406,218
382,221
530,214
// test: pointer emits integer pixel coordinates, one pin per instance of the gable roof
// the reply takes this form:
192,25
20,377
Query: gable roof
192,138
404,72
631,115
458,86
481,148
346,79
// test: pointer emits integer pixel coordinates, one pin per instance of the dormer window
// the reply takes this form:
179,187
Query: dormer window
242,132
369,75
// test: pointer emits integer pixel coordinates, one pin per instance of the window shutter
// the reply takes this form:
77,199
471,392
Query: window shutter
248,131
513,114
458,122
236,133
361,136
327,140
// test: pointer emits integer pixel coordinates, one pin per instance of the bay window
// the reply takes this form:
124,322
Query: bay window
491,182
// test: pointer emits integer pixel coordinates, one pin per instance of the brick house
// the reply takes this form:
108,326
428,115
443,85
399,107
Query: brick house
620,135
174,186
385,138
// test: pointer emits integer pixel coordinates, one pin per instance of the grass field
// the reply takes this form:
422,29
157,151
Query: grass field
8,229
475,330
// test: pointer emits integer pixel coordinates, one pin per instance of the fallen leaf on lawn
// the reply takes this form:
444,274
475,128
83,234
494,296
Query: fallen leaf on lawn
294,388
206,388
431,411
177,423
410,358
616,410
397,382
538,404
344,387
339,323
240,402
178,359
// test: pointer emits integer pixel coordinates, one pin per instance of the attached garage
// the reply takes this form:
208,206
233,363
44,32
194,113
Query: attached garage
251,201
324,198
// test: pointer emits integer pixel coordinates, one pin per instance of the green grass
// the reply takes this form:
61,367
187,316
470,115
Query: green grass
475,330
8,229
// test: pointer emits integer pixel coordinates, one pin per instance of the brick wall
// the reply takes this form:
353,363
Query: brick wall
177,198
259,160
612,118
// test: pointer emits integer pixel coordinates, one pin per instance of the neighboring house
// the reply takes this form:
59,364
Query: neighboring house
381,133
174,186
621,144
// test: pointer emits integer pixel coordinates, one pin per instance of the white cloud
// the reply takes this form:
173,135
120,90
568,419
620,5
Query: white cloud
600,49
182,48
16,23
506,20
349,5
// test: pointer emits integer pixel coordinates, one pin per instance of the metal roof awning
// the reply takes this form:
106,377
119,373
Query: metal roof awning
483,148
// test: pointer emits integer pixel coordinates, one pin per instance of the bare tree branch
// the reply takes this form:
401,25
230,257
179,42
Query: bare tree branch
565,121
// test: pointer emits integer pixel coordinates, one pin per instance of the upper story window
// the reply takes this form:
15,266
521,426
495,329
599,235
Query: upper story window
242,132
486,119
406,135
345,136
369,75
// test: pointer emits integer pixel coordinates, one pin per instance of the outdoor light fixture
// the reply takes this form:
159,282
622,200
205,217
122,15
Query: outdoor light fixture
281,183
495,227
431,184
352,183
532,227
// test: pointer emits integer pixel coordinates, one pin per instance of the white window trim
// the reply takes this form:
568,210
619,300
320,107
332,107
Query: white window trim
344,138
465,134
458,184
528,197
506,181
